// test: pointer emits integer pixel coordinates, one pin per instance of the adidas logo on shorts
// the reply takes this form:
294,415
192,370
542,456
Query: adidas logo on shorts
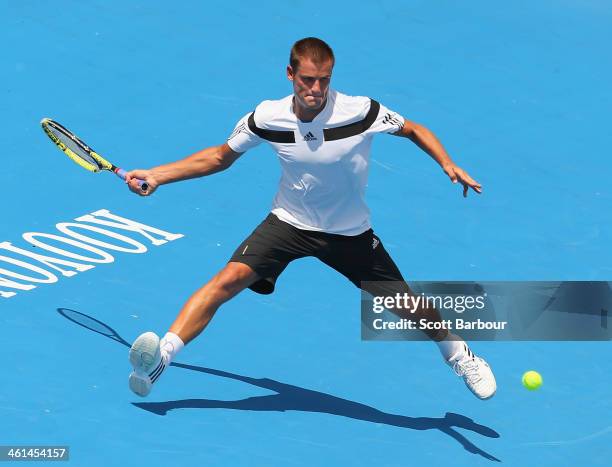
309,136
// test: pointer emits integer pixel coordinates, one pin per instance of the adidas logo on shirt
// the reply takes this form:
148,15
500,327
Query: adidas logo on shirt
309,136
375,243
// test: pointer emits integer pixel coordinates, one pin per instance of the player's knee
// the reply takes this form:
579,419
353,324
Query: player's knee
232,279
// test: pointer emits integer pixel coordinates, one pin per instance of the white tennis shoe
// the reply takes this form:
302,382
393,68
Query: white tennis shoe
148,362
476,374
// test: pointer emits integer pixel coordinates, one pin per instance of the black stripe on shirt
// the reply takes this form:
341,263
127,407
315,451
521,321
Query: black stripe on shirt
276,136
352,129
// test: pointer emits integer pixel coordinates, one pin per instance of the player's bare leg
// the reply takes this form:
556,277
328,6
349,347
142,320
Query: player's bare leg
201,307
150,356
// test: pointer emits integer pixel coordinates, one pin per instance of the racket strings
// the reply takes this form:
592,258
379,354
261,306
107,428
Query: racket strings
73,149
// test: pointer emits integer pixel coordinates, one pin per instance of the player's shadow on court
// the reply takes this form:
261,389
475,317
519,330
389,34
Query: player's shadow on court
289,397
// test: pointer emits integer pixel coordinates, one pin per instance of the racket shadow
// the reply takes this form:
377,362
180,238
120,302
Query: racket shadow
289,397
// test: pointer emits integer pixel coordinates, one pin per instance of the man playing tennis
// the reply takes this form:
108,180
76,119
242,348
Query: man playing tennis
322,139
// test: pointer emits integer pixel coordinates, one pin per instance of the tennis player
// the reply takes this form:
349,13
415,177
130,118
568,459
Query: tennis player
322,138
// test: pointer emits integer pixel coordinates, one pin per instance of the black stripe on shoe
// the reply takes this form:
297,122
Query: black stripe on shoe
156,377
158,374
157,371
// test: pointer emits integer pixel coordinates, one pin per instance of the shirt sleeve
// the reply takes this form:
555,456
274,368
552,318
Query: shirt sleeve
387,121
242,138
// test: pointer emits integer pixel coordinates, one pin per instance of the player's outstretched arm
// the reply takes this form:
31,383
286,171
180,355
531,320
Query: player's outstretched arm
205,162
428,142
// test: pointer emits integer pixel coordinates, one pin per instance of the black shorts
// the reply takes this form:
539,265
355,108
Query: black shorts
274,244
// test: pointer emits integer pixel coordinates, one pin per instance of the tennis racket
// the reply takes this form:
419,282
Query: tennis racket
80,153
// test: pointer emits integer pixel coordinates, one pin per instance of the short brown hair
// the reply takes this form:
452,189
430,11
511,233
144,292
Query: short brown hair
313,48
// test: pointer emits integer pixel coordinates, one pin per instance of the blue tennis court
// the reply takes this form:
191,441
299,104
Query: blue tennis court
518,93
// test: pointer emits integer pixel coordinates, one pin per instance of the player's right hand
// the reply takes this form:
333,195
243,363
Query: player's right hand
132,177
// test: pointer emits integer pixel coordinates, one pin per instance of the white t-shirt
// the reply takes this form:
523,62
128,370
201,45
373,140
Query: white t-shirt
324,162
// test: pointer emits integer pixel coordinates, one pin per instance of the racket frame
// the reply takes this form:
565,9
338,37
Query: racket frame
100,162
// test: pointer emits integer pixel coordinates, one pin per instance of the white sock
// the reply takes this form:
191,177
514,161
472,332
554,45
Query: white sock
170,345
452,347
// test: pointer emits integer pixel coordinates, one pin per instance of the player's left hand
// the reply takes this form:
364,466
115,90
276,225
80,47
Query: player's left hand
458,175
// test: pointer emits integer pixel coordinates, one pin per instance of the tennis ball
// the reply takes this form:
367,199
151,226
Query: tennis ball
532,380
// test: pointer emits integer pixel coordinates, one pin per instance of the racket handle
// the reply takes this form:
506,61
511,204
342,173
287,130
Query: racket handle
144,186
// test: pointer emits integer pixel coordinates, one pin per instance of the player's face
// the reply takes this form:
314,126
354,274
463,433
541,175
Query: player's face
311,82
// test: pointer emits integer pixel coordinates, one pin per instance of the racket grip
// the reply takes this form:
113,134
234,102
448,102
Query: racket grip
144,186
